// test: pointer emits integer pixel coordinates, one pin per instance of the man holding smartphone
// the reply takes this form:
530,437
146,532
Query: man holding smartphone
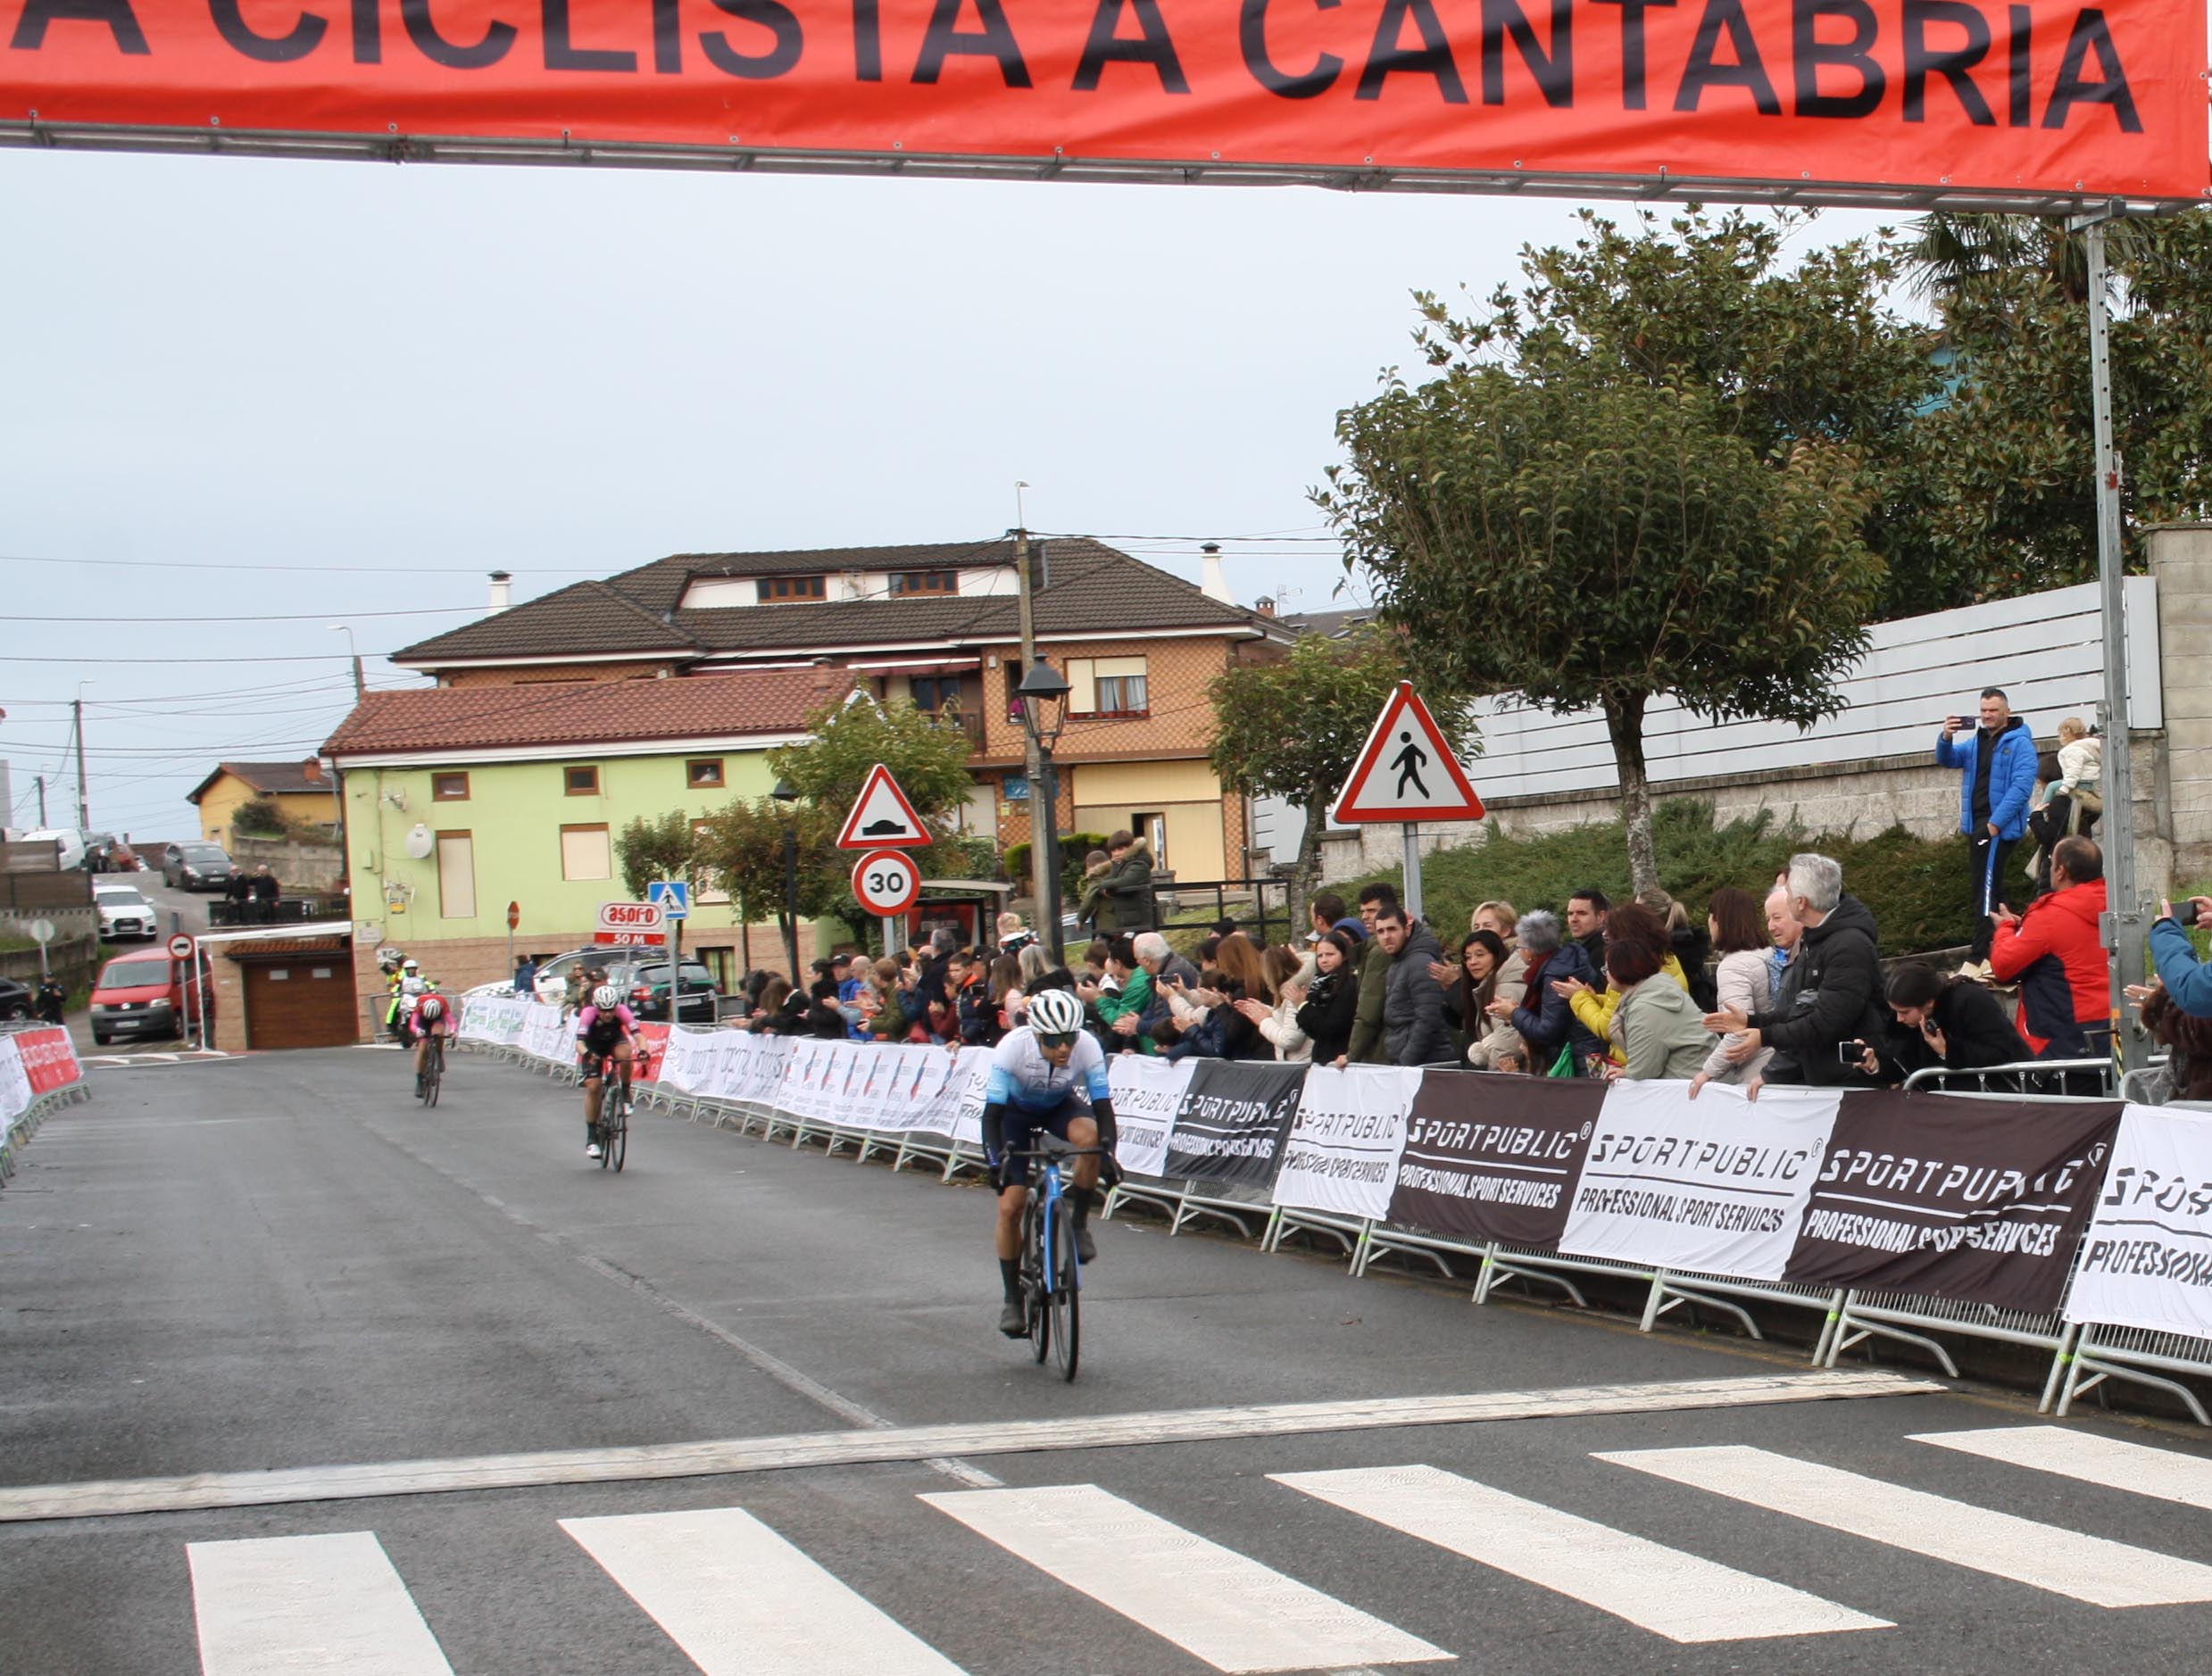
1996,766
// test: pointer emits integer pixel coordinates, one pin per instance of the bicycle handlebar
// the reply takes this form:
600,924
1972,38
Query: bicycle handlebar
1059,1152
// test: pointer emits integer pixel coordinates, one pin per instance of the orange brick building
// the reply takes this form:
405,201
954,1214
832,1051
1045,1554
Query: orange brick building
937,624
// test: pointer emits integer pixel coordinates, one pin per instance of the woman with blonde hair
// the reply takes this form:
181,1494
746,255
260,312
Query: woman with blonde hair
1288,974
1237,958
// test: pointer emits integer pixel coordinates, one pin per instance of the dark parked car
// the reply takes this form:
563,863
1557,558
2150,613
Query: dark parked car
17,1000
195,866
642,974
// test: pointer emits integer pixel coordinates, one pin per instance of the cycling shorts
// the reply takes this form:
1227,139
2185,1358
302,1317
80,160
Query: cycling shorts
1021,1132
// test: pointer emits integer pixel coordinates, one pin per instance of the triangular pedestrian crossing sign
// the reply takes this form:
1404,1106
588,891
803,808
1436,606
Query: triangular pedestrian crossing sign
882,818
1406,770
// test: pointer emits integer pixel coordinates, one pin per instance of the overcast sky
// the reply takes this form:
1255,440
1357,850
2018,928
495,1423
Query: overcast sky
380,383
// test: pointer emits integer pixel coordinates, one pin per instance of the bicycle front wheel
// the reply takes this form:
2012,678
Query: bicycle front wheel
1034,1283
619,1131
435,1075
1063,1302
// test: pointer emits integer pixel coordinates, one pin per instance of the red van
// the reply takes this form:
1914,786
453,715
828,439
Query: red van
144,995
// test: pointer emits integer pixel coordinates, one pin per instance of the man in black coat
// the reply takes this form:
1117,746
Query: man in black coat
265,895
1838,997
238,893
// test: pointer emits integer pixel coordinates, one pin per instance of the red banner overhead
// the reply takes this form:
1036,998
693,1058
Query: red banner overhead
2056,99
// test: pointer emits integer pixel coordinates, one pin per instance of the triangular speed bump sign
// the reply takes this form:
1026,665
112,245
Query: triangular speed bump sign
882,818
1406,770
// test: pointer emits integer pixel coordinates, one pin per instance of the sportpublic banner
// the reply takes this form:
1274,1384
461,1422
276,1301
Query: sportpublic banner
2065,98
1504,1169
1716,1185
1344,1144
2148,1259
1979,1200
49,1061
1231,1124
1148,1092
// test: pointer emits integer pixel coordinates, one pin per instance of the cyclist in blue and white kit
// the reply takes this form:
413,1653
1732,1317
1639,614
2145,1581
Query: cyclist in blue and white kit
1049,1075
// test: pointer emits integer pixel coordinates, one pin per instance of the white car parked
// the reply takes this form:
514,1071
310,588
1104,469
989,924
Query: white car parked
125,916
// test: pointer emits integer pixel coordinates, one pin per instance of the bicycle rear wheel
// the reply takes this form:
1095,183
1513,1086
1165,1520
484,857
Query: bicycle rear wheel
619,1131
1063,1302
434,1072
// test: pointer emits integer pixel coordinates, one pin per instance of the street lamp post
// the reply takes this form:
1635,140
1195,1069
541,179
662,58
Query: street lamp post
1043,696
787,794
353,652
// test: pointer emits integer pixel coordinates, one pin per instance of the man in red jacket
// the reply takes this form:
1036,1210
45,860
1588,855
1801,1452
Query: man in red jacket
2053,951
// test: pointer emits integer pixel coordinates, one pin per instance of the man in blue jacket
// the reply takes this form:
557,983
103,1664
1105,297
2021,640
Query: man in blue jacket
1996,778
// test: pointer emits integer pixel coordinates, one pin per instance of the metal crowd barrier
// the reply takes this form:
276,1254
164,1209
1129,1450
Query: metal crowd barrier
2085,1357
1947,1080
17,1132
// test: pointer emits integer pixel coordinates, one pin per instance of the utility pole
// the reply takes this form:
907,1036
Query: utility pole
2124,926
1041,865
42,801
84,815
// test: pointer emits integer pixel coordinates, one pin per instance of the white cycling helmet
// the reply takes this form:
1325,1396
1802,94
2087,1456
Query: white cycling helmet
1056,1016
606,996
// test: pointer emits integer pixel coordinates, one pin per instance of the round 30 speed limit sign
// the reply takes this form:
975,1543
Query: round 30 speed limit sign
885,882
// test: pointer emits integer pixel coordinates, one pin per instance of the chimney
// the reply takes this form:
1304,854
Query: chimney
503,592
1266,608
311,769
1216,587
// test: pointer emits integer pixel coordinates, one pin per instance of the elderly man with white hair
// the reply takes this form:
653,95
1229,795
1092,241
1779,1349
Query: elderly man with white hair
1819,1026
1169,971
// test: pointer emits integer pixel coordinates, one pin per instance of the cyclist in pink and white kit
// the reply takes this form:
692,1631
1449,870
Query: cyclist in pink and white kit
605,1026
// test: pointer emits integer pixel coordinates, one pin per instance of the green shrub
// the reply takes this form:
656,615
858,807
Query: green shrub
1073,847
1916,886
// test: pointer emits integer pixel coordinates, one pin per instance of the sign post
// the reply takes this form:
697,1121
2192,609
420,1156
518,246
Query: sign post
514,918
41,933
672,897
1407,773
884,822
181,947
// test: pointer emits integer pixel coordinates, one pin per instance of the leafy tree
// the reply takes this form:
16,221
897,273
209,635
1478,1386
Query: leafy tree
741,844
1292,727
926,754
2006,459
1566,524
650,848
262,816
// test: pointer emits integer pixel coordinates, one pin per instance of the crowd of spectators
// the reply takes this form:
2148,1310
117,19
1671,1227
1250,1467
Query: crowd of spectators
1790,990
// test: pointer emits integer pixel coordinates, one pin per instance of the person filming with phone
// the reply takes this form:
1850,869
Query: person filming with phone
1953,1022
2188,981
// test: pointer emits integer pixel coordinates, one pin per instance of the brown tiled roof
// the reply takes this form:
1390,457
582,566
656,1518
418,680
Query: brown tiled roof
1090,589
584,712
271,777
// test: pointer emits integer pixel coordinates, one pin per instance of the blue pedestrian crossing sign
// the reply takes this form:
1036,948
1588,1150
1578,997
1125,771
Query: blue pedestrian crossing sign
672,897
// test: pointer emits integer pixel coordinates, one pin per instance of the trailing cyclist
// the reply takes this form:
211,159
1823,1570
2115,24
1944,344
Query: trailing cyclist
605,1026
430,1016
1047,1076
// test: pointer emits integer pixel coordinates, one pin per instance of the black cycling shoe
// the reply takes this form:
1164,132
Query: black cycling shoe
1087,1248
1013,1319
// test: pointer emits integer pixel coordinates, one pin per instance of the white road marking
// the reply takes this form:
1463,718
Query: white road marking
1653,1587
281,1605
742,1601
103,1499
2105,1574
1215,1603
2134,1467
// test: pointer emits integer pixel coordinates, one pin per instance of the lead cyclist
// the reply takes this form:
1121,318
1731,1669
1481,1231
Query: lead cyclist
1048,1075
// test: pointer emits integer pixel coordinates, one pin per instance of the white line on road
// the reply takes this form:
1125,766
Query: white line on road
1653,1587
2105,1574
103,1499
1214,1603
274,1604
742,1601
2134,1467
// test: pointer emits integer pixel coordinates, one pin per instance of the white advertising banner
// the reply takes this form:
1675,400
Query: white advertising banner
1713,1184
1147,1094
545,1035
688,1062
14,1083
971,1078
2147,1259
1347,1139
497,1019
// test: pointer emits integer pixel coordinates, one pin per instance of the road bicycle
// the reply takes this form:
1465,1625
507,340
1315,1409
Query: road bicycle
1051,1273
432,1069
614,1104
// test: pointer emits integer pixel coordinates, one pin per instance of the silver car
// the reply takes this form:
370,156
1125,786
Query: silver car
125,916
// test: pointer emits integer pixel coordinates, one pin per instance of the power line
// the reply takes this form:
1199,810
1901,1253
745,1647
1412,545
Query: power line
302,657
319,571
293,616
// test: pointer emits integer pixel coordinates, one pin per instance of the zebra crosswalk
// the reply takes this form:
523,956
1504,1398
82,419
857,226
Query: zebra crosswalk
732,1593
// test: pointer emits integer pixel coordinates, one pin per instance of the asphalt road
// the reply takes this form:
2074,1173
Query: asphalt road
282,1262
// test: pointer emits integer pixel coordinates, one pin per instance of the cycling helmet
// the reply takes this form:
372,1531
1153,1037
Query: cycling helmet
1056,1016
606,997
410,964
433,1007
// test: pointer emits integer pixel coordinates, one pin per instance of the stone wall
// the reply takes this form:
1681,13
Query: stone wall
299,867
